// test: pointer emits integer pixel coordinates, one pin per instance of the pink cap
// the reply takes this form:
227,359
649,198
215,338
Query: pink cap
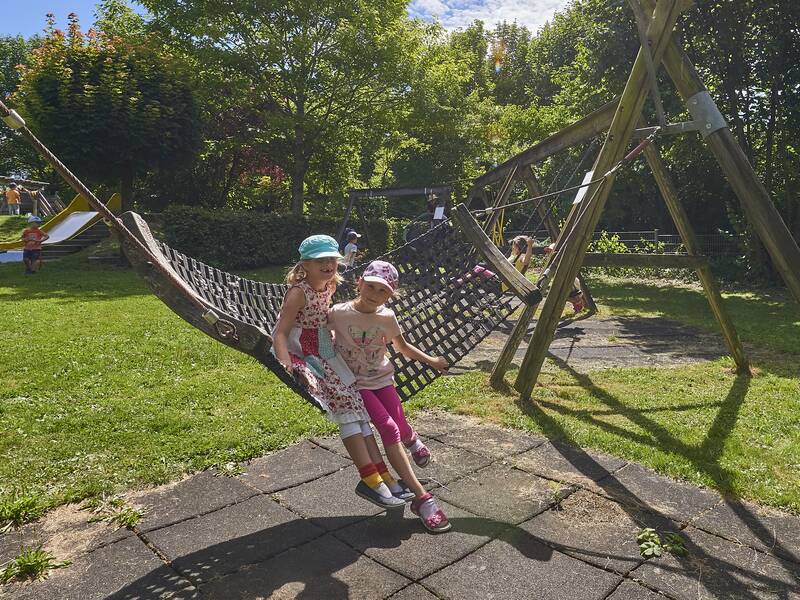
379,271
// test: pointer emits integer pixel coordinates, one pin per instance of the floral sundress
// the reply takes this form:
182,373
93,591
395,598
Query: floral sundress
311,349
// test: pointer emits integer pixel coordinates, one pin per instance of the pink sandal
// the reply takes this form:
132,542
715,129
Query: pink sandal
437,522
422,456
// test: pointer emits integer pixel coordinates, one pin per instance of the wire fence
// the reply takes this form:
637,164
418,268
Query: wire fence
711,245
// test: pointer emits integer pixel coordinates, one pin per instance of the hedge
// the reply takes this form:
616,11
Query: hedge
238,240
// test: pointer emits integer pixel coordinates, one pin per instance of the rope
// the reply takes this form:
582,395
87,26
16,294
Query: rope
17,123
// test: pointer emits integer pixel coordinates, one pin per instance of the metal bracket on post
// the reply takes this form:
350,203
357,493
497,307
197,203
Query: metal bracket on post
704,111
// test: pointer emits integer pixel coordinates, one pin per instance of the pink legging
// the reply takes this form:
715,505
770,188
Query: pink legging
384,409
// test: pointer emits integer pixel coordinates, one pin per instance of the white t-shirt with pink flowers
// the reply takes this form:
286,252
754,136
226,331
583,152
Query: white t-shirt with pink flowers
361,339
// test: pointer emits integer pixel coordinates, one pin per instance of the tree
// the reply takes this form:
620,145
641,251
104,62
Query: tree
315,72
109,101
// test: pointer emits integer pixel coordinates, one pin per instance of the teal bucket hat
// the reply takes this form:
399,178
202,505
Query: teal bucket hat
319,246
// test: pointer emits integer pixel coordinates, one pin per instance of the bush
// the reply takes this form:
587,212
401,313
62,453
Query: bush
238,239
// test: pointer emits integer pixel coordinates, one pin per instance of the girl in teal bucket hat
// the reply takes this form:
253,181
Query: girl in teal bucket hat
302,343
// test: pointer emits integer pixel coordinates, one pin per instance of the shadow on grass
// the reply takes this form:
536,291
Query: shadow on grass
705,458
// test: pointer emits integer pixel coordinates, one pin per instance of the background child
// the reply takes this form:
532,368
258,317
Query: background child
13,199
303,344
33,237
362,329
575,297
351,249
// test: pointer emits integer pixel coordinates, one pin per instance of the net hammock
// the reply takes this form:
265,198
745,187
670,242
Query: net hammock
441,309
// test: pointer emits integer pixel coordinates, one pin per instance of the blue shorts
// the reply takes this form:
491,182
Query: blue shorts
31,255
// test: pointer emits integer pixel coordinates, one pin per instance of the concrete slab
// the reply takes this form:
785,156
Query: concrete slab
503,493
403,545
292,466
449,463
717,568
629,590
196,495
489,440
65,532
413,592
126,570
518,567
767,529
329,502
226,540
436,423
334,444
326,568
677,500
563,462
594,529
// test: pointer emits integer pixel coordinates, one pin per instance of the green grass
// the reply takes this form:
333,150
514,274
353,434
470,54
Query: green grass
11,228
30,564
109,390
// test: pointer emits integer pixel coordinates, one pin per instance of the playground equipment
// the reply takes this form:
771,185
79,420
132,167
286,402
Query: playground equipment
74,228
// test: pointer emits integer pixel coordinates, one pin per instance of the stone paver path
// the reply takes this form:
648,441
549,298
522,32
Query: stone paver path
592,341
531,520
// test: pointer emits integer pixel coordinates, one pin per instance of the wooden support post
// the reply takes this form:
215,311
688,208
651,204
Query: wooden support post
351,198
756,202
686,231
497,378
500,199
534,189
572,243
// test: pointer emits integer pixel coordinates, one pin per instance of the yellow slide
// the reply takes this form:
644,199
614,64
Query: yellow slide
75,218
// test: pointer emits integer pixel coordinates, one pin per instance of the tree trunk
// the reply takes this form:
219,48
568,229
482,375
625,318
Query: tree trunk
126,188
299,169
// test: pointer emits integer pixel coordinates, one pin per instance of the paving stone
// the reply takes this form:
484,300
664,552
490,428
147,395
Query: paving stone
503,493
403,544
489,440
597,530
413,592
518,567
717,568
126,570
629,590
325,569
334,444
330,501
196,495
65,532
436,423
449,463
678,500
292,466
767,529
223,541
561,461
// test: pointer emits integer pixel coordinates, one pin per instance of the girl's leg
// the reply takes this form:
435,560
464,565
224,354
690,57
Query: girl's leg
376,490
391,404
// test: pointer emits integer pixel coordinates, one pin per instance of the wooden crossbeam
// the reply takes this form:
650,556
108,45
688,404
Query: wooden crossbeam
656,261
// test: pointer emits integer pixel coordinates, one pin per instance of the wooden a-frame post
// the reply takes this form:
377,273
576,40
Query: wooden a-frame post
574,238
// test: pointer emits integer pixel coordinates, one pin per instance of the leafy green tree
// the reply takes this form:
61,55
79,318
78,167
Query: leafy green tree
109,101
315,73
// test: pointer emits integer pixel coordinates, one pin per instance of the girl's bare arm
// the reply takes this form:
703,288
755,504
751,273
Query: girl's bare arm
293,303
411,351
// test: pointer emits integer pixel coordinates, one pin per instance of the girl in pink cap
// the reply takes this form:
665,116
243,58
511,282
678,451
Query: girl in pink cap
362,329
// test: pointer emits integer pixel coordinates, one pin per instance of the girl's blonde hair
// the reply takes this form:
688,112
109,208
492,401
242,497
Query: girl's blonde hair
297,273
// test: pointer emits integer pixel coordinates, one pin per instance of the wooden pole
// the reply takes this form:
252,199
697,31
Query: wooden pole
500,199
351,198
572,243
755,200
497,378
670,194
534,189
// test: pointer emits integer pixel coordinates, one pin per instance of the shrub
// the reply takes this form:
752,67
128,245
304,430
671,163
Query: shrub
238,239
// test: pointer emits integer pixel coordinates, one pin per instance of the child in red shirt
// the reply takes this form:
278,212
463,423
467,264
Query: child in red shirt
32,252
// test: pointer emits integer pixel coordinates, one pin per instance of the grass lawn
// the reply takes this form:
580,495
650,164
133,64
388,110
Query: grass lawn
11,227
104,389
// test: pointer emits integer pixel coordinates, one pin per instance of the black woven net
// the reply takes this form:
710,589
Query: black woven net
445,305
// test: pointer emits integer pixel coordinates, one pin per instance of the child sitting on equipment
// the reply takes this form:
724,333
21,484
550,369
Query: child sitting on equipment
362,328
303,345
33,237
351,249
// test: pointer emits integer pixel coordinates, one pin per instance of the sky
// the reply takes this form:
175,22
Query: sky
27,17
